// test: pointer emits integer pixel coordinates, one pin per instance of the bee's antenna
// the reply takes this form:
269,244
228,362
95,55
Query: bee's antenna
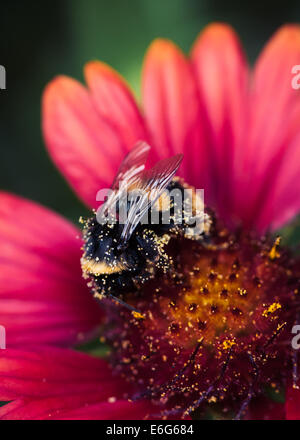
135,312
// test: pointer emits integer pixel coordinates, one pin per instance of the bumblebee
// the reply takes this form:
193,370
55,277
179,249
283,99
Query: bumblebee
125,241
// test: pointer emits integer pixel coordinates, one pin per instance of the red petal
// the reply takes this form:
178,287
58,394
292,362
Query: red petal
119,410
51,383
115,103
41,371
271,163
222,78
75,408
86,148
43,298
172,108
292,404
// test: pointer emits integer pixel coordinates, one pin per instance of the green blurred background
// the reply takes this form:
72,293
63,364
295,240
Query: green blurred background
42,39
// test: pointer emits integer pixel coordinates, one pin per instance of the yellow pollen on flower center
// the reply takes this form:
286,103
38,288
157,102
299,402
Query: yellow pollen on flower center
219,298
216,309
271,309
274,250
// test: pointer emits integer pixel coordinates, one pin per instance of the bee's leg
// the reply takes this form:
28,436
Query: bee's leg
123,303
250,394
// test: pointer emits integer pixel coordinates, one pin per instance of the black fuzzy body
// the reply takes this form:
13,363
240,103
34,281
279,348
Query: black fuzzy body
143,257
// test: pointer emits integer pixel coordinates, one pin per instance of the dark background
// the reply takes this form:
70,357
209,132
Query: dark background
39,40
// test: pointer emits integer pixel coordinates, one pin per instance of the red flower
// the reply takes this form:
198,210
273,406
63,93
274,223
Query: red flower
239,132
53,383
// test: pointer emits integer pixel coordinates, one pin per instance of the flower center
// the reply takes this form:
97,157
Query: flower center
216,322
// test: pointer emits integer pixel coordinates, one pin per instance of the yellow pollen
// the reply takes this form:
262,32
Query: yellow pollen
273,254
217,300
138,315
271,309
228,343
242,292
100,268
280,326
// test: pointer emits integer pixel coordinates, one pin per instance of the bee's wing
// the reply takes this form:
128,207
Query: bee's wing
133,164
149,186
131,167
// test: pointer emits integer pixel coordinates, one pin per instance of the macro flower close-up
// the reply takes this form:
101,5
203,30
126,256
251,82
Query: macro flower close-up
172,326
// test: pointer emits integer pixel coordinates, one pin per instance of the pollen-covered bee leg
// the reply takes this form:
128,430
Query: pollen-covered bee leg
251,392
135,312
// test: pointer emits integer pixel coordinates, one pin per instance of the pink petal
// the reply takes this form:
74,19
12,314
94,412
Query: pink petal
75,408
271,158
42,371
51,383
222,79
43,298
172,107
292,404
119,410
115,103
86,147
